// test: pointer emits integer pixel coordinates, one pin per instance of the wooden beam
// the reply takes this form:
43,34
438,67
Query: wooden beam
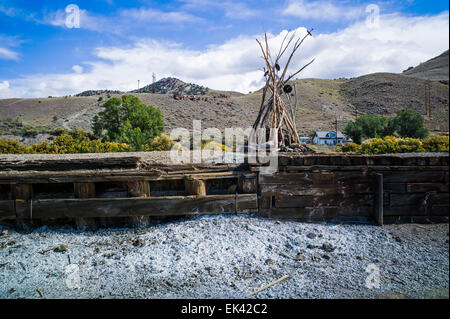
127,207
47,164
24,192
379,207
7,209
194,186
139,188
107,176
84,190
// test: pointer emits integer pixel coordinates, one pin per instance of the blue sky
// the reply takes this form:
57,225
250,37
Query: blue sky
203,41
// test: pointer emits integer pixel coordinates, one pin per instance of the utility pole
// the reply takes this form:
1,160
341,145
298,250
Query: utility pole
428,99
139,89
336,130
154,83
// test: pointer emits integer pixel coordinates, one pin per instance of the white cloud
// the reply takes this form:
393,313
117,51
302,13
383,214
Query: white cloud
121,21
153,15
8,54
4,85
323,10
77,69
398,43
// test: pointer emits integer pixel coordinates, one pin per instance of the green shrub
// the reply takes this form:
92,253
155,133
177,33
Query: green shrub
434,143
128,120
407,123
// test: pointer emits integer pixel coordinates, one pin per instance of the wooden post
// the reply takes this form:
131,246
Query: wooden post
139,189
380,202
85,190
248,184
194,187
24,217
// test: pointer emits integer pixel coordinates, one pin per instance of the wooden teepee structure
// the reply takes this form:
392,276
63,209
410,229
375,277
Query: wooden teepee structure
277,114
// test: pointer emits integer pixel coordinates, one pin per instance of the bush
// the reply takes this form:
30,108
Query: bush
434,143
129,121
64,144
407,123
349,148
11,147
215,146
160,143
368,126
392,145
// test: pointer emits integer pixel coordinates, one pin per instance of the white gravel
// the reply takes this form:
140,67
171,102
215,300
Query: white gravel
227,257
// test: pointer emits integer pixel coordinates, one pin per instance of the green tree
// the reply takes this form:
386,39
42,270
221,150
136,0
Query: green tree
407,123
366,126
128,120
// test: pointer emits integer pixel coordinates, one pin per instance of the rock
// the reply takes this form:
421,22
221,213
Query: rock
359,258
300,256
269,262
326,257
138,243
328,247
309,246
311,235
398,239
4,232
61,249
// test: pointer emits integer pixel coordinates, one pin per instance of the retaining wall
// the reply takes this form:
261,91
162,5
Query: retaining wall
387,188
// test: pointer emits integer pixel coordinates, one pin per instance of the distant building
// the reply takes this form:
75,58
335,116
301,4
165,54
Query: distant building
329,138
305,139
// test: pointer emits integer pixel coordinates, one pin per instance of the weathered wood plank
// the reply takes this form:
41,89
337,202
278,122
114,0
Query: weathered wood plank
418,176
139,188
108,176
439,210
64,164
7,209
297,190
413,210
426,187
379,202
323,201
84,190
127,207
194,186
311,214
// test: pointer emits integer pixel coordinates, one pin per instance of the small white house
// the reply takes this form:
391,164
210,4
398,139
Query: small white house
329,138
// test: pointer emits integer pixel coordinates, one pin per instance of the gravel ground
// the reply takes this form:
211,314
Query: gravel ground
226,257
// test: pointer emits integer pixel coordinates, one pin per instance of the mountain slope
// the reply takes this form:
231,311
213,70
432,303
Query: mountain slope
173,86
436,69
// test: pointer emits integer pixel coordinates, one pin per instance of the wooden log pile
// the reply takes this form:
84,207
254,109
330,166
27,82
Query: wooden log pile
277,115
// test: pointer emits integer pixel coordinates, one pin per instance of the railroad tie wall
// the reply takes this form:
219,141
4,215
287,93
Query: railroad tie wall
382,188
138,195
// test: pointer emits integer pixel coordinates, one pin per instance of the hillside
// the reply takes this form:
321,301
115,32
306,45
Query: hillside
173,86
319,103
435,69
